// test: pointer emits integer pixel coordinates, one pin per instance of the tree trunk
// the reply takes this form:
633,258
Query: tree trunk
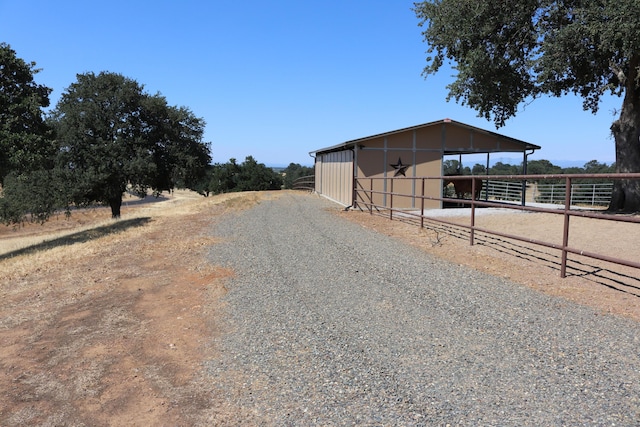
626,132
115,203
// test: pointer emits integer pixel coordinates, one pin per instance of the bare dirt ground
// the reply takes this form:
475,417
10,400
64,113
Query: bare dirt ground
108,322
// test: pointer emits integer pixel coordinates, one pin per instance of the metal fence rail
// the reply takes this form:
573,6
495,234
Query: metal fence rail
583,194
307,182
586,194
365,195
501,190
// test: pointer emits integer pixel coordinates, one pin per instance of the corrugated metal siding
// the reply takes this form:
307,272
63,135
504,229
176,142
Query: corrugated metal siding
334,176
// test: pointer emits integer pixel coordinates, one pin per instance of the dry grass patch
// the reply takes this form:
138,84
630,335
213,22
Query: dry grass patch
107,322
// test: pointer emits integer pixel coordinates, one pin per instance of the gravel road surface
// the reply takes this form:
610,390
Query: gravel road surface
328,323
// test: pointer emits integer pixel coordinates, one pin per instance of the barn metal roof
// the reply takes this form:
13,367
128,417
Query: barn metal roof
349,144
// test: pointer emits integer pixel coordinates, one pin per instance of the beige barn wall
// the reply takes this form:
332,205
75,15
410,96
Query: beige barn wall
375,160
334,176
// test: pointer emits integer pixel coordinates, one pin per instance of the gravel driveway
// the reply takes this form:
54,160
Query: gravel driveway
328,323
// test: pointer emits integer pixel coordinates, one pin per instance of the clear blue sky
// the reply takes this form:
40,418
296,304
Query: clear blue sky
278,79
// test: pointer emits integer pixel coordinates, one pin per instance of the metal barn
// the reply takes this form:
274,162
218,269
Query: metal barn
416,151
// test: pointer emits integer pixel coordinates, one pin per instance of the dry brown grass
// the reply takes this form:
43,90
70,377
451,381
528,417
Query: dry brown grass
106,322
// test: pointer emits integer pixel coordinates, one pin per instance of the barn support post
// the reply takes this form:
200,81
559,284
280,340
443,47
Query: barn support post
524,181
354,164
473,212
486,182
524,172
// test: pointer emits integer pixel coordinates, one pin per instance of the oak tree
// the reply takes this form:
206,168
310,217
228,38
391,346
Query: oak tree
509,53
114,137
24,136
26,142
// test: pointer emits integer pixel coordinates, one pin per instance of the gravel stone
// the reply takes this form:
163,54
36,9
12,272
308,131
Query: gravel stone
329,323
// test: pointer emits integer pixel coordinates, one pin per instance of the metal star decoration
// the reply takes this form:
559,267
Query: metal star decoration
400,168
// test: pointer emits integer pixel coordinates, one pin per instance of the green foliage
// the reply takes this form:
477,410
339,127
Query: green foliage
479,169
594,166
180,156
453,167
247,176
25,138
295,171
113,137
30,196
509,53
504,169
450,167
256,176
542,167
492,44
110,137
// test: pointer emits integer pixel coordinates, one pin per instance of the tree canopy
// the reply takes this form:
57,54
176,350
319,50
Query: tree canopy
509,53
25,138
114,137
295,171
246,176
26,141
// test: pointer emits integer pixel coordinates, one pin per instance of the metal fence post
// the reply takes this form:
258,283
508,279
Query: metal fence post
371,196
422,205
565,234
391,201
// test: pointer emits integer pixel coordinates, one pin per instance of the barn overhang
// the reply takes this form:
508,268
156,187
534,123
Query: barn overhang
475,140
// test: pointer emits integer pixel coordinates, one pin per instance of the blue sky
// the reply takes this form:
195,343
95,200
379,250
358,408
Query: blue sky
279,79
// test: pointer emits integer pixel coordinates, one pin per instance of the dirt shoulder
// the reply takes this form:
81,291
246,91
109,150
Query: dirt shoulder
108,322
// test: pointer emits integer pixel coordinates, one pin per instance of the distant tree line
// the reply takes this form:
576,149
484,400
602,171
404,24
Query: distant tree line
534,167
295,171
249,176
233,177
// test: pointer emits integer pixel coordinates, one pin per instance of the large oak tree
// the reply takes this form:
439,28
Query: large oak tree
508,53
114,137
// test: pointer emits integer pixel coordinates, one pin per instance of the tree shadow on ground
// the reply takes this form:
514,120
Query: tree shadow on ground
135,201
79,237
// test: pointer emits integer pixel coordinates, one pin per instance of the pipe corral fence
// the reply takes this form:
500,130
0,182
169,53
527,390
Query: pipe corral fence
516,192
307,183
